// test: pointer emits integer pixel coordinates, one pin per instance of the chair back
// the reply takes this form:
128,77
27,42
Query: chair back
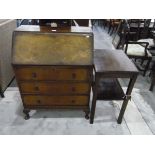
145,30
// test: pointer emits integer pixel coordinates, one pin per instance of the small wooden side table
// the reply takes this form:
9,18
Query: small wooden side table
110,65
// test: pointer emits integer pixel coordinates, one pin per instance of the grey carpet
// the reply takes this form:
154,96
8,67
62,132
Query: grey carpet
57,122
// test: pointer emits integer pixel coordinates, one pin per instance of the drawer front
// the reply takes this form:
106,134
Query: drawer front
50,73
54,88
36,100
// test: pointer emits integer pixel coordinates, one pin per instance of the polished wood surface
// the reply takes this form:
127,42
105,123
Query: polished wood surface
54,87
113,61
109,89
52,73
48,87
55,100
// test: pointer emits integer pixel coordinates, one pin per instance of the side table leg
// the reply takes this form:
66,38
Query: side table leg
123,108
93,107
125,102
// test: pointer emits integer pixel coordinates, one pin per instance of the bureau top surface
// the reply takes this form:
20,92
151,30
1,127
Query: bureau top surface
35,45
113,61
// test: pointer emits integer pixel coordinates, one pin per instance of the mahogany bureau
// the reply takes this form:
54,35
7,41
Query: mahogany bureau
53,67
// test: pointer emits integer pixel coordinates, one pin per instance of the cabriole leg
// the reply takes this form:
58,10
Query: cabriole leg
2,95
26,112
87,113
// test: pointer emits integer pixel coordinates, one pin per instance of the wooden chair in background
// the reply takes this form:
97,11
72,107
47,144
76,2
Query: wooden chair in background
138,50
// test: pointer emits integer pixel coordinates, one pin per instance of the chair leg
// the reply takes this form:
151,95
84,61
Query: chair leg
109,29
150,74
152,85
104,24
115,30
110,26
142,62
135,59
147,66
153,81
112,31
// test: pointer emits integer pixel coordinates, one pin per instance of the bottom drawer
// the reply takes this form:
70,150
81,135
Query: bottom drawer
37,100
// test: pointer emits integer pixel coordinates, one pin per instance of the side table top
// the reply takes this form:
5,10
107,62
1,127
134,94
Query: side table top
113,61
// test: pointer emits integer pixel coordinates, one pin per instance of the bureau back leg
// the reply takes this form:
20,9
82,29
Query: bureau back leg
26,112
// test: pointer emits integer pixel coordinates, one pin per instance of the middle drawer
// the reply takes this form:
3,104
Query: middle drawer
54,88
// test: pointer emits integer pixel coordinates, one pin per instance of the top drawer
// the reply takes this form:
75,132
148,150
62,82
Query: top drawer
52,73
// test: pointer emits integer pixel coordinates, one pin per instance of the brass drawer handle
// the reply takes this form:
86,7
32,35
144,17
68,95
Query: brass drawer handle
73,101
38,102
34,75
73,75
73,89
36,88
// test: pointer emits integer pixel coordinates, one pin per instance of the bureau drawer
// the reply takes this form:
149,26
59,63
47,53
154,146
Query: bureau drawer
51,73
32,100
54,88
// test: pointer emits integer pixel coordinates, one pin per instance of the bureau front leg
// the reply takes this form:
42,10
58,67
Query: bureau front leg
87,112
26,112
2,95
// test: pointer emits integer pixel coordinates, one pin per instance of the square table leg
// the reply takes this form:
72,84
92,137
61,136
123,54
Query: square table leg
127,97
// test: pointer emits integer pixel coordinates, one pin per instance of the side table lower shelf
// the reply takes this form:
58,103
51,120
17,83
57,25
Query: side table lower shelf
109,89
